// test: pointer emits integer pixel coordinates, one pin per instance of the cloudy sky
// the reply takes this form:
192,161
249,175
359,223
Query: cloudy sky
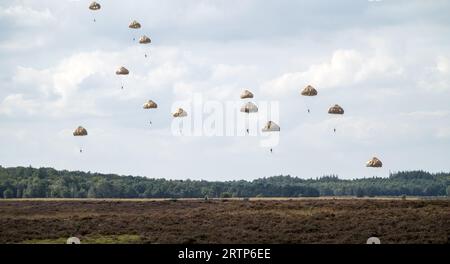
387,63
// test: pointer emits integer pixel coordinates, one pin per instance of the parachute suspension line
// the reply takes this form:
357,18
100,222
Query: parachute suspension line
148,53
80,147
336,122
247,123
80,144
308,109
335,118
181,126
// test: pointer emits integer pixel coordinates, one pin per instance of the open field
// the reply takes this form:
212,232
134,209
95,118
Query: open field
325,220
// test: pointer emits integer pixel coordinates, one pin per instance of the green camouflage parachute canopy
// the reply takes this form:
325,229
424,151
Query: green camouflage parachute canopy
122,71
145,40
374,163
134,25
249,108
95,6
309,91
80,132
271,127
180,113
150,105
246,94
336,110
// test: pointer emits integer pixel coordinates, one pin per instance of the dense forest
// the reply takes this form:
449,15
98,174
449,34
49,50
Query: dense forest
28,182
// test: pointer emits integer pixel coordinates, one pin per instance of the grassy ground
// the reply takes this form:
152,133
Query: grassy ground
225,221
120,239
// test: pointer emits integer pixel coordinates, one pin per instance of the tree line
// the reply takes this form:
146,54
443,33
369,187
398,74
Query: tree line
28,182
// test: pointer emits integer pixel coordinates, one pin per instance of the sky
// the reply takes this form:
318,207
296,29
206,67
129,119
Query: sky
386,62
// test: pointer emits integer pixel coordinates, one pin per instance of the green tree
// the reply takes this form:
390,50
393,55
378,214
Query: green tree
226,195
8,193
91,192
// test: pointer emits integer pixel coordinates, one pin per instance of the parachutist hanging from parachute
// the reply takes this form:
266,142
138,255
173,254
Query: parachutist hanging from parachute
180,113
270,128
80,132
337,111
374,163
134,25
309,91
94,6
145,40
122,71
248,108
150,105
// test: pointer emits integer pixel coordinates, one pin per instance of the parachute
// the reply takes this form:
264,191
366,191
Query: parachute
374,163
271,127
122,71
135,25
336,110
249,108
145,40
94,6
179,113
308,91
246,94
150,105
80,132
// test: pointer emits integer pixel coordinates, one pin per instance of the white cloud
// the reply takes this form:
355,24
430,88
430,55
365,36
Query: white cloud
27,16
18,103
427,114
443,133
345,67
56,91
443,65
21,43
437,77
